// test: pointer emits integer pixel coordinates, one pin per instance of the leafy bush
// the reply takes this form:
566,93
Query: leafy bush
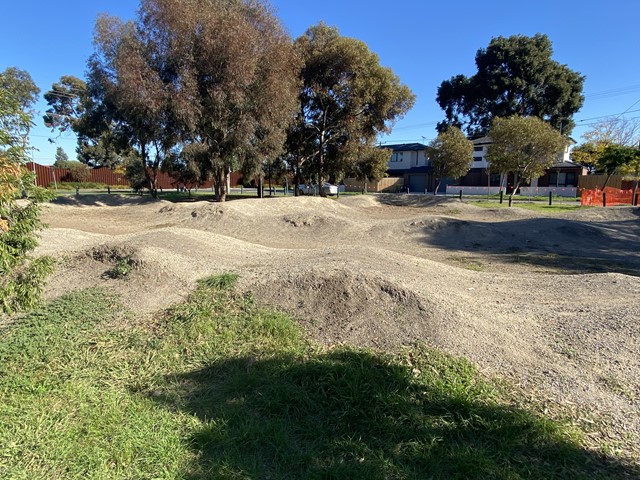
21,276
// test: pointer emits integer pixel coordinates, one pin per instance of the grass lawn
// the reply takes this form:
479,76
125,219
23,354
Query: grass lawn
537,206
220,388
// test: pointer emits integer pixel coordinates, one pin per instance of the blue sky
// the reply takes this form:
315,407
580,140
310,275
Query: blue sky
424,42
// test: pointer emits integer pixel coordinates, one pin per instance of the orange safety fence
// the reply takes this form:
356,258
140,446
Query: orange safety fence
606,197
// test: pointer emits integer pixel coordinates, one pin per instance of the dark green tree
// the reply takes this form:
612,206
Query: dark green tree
515,76
523,146
451,155
187,169
21,276
74,107
347,100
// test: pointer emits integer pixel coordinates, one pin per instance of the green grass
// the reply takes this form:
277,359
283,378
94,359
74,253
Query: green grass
220,388
468,263
538,207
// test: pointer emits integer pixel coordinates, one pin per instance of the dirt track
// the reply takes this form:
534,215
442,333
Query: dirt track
488,284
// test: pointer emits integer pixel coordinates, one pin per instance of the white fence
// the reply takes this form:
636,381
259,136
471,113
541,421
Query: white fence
455,190
524,191
544,191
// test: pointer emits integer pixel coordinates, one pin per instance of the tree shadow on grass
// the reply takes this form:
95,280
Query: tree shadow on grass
557,244
351,415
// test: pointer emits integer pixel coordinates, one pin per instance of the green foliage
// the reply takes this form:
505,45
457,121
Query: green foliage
78,172
134,172
223,281
451,154
515,76
619,159
347,99
371,163
122,268
220,388
61,158
188,169
524,146
21,87
21,277
66,101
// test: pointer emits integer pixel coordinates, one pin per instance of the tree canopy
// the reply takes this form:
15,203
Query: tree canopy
347,99
515,76
611,147
451,154
20,86
219,76
524,146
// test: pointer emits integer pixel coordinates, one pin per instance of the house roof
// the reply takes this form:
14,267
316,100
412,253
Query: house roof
566,164
404,147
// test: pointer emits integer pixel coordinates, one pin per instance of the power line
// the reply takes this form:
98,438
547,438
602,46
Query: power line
611,114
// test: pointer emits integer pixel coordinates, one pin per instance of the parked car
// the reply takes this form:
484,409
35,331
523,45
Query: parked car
330,189
307,189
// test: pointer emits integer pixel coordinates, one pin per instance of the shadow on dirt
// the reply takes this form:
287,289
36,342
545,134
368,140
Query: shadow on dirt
113,200
408,200
351,415
558,244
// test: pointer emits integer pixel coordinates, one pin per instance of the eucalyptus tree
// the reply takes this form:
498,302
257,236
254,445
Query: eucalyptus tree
515,76
239,78
73,107
347,100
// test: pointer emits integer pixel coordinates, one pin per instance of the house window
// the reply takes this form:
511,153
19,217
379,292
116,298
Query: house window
417,158
477,159
571,180
477,149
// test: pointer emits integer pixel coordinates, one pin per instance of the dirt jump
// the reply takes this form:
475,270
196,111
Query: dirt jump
549,301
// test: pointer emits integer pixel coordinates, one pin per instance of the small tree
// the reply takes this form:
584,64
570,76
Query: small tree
451,155
619,159
524,146
371,165
21,276
79,172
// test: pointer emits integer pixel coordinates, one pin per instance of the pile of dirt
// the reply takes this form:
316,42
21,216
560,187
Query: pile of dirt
357,309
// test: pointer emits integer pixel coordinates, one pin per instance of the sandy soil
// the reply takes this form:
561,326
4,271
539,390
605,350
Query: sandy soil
551,302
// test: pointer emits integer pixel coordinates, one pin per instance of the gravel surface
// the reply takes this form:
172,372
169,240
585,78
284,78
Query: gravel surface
551,302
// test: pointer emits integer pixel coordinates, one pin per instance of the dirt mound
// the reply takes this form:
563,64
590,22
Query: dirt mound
358,309
387,270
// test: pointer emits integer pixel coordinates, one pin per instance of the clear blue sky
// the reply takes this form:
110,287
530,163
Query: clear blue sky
423,42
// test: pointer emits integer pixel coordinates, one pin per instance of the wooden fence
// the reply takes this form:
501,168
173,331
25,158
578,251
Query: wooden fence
47,175
388,184
596,182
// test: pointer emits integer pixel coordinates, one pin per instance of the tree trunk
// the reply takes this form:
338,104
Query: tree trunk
297,177
435,190
219,179
320,166
515,188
